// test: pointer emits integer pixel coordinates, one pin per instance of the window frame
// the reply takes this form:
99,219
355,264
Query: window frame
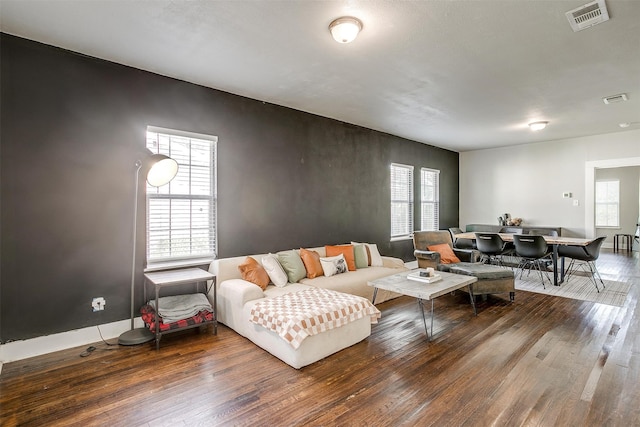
408,225
193,169
435,203
607,204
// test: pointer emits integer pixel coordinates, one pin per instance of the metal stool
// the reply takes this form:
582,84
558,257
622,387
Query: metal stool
626,238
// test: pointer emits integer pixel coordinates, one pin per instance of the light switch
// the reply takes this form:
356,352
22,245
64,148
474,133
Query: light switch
576,202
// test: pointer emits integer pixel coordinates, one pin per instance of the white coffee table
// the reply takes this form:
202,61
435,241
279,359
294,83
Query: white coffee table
424,291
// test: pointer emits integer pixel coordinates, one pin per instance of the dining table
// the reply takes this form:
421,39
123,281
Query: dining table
553,241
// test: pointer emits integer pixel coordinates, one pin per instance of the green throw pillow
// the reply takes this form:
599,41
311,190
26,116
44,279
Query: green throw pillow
293,265
360,252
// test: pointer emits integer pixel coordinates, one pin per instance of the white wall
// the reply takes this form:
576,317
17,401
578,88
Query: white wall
527,181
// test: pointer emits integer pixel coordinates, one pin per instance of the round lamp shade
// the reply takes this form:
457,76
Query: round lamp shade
538,125
163,169
345,29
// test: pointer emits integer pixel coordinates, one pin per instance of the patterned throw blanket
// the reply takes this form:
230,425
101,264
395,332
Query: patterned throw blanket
298,315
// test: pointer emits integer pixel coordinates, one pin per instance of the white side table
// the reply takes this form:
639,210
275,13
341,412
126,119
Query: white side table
183,276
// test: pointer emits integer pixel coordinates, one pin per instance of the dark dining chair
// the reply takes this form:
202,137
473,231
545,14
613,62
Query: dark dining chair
586,257
534,253
492,248
461,243
510,247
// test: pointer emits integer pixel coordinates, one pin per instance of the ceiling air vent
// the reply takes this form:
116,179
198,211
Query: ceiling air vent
615,98
588,15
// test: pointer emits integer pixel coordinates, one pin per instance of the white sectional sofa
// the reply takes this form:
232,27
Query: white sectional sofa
236,297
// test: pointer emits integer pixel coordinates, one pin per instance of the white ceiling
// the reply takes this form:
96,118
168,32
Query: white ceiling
461,75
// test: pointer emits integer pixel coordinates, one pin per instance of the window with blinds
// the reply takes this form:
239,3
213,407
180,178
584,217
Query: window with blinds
181,216
430,199
607,203
401,201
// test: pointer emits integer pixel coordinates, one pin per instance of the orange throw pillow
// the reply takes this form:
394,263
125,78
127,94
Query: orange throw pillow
253,272
446,253
347,251
311,261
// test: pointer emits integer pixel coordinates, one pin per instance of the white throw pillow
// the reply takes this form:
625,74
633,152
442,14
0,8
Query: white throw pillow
274,270
334,265
376,259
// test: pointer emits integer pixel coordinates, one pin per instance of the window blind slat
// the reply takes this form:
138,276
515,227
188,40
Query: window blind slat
430,199
181,215
401,200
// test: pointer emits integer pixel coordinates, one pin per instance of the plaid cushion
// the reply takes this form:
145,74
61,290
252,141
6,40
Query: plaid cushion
149,318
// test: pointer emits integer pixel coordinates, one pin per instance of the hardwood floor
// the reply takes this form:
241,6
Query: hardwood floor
541,361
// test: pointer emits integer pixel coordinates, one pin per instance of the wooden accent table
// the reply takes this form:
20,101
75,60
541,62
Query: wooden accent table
425,291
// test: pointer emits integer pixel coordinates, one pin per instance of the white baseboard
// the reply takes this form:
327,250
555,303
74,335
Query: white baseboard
18,350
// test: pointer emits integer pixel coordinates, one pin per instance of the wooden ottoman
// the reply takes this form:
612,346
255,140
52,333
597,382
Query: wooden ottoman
491,279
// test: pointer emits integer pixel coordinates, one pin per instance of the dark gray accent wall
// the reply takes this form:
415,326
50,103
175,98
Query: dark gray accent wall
71,129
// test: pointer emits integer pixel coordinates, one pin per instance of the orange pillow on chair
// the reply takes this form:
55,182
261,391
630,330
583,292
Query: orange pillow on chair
347,251
446,253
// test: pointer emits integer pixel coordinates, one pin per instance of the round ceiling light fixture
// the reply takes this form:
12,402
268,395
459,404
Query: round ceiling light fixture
345,29
538,125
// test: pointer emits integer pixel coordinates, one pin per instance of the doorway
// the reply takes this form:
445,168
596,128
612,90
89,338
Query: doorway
590,173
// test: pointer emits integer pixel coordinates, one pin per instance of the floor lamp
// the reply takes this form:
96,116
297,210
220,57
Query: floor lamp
162,169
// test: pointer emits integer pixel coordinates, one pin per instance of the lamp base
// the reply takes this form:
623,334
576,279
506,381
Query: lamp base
136,336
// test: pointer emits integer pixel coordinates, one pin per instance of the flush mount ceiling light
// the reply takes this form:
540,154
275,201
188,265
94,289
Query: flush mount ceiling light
627,124
345,29
538,125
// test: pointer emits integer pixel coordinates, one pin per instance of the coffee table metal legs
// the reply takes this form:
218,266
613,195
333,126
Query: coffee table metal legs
421,305
473,299
424,319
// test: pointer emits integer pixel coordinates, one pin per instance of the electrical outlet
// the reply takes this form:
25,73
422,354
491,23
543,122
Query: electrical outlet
98,304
